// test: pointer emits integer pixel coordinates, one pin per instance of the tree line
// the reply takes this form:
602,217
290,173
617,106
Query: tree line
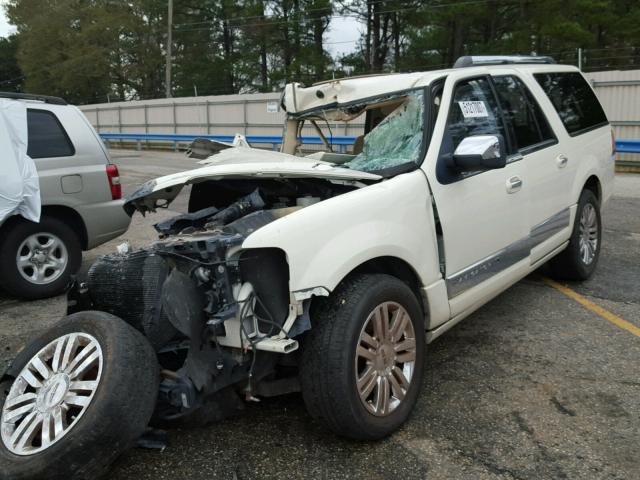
91,51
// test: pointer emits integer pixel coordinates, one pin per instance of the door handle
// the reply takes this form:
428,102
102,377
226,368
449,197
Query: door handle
514,184
562,161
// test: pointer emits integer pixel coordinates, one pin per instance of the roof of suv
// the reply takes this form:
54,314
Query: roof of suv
34,97
298,99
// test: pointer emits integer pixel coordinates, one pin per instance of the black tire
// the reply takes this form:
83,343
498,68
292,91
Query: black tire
328,370
569,265
117,415
14,234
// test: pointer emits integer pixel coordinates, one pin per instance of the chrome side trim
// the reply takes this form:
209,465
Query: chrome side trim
547,229
480,271
487,267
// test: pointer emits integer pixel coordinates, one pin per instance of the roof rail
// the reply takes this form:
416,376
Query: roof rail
475,61
31,96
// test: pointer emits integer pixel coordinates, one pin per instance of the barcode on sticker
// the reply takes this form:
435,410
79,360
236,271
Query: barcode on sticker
473,109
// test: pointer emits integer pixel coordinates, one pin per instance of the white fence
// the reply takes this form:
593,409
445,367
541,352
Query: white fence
249,114
260,114
619,93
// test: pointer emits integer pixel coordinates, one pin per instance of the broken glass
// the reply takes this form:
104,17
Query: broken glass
397,140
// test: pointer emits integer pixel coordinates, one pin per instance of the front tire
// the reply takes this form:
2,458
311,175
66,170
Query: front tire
83,392
578,261
38,259
362,361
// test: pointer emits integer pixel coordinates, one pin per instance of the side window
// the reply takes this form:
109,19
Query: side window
524,118
47,137
573,99
474,111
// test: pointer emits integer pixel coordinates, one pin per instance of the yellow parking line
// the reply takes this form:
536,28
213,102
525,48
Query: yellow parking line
595,308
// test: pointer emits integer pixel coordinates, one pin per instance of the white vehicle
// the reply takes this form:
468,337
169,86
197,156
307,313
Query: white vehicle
326,274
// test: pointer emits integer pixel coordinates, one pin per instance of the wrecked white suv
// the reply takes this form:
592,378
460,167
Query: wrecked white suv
326,274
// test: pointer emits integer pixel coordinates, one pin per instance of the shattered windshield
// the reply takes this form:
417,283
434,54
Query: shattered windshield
396,140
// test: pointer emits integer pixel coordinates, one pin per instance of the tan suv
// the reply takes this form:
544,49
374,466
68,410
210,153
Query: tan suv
81,201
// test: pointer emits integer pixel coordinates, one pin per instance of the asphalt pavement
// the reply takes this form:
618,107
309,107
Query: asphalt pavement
534,385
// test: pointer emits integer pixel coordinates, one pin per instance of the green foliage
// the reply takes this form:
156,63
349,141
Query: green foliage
64,47
10,73
607,29
92,51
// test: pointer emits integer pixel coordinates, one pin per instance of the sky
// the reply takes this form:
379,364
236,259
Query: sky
341,37
5,28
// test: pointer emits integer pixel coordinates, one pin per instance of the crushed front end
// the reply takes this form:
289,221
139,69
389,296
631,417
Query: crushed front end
221,319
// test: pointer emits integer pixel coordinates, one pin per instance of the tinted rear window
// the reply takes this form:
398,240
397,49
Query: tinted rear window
573,99
47,138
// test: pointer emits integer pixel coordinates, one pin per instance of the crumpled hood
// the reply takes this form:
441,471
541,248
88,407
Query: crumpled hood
237,163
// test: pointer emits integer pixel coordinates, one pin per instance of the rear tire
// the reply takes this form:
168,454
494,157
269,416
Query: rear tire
578,261
113,416
22,238
353,367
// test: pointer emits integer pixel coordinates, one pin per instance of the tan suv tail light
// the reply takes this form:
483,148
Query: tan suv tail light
613,142
114,182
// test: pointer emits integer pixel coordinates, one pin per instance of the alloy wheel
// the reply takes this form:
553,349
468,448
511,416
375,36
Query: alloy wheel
385,358
42,258
588,230
51,393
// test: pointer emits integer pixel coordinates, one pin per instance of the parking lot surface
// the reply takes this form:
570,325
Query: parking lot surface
534,385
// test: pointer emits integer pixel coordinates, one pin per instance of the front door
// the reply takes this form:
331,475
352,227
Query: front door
482,215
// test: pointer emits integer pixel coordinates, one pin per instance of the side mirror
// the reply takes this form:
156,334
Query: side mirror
479,153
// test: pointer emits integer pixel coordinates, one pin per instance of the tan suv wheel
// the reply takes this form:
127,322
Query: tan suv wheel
37,259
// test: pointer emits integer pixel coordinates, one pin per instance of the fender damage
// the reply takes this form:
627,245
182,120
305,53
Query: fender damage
220,316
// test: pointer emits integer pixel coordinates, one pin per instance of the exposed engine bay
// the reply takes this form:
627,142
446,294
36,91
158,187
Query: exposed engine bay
219,317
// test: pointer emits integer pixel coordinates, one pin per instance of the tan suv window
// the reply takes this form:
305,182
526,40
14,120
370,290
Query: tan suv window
47,137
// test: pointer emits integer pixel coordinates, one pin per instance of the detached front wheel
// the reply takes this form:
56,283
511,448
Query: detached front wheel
363,359
76,398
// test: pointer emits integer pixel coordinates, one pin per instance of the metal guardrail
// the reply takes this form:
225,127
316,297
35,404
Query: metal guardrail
273,140
622,146
628,146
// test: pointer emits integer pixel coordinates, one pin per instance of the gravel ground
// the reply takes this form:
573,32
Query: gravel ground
531,386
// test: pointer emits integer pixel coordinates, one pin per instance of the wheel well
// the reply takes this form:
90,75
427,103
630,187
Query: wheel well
70,217
64,214
397,268
593,184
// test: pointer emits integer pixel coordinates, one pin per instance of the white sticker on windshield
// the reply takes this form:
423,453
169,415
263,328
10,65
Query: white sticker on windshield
473,109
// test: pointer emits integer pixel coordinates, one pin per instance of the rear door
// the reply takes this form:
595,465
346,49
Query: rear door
70,160
483,215
546,162
581,126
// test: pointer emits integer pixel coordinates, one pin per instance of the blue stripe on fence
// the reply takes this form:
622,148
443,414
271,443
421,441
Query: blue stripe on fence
622,146
272,140
628,146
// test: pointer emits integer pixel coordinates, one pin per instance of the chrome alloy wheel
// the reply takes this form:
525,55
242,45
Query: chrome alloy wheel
588,229
51,393
42,258
385,358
